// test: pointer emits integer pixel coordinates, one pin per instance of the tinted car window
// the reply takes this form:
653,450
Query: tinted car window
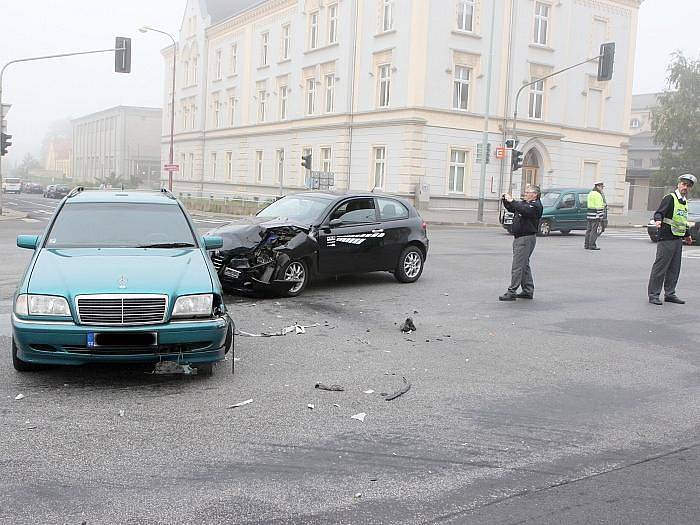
568,201
355,211
116,225
549,198
299,209
390,209
583,200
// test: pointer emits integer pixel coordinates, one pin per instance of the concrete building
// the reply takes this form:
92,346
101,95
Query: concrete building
391,95
121,142
59,157
644,157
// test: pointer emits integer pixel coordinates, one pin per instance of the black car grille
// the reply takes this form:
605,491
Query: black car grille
121,310
218,261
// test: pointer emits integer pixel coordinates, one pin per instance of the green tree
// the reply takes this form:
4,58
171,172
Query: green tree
676,122
28,163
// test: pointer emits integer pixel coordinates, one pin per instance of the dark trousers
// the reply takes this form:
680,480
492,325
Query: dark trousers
521,275
667,268
591,233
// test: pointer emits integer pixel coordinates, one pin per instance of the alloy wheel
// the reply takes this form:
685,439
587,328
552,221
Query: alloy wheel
295,272
412,264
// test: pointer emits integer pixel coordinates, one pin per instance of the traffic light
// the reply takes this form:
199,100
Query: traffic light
606,61
511,143
516,160
122,55
5,142
306,161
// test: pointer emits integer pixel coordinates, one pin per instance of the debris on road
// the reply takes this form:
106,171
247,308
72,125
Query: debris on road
370,391
121,413
19,396
358,495
296,328
405,388
331,388
359,417
242,403
310,406
408,326
172,368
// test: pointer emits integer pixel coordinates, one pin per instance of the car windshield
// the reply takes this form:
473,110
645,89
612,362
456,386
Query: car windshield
120,225
548,199
301,209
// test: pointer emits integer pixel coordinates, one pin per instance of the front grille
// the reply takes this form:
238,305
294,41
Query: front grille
121,310
218,261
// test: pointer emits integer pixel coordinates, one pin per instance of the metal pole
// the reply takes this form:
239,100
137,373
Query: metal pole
485,138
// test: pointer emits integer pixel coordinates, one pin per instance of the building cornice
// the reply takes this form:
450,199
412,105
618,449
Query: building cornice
236,22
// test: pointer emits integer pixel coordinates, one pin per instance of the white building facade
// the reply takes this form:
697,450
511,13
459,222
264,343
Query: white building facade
390,95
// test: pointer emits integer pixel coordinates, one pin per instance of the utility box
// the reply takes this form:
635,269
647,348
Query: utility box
422,195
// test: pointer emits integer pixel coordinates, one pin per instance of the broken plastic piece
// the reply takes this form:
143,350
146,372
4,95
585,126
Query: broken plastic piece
405,388
242,403
173,367
310,406
359,417
19,396
332,388
408,326
370,391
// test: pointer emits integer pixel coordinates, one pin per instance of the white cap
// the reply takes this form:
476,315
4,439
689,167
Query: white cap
688,177
599,181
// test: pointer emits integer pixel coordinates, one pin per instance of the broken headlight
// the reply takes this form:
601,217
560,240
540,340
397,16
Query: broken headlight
194,305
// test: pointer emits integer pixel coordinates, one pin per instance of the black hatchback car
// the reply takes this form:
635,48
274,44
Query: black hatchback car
56,191
315,233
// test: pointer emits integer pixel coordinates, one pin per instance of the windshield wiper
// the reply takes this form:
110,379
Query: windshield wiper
167,245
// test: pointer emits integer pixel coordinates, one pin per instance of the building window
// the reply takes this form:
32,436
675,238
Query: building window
465,15
311,96
635,123
536,99
191,166
326,159
330,92
332,23
194,71
264,46
637,163
234,59
183,171
185,73
458,167
541,23
212,166
655,163
185,115
379,166
229,165
217,65
313,30
384,85
595,108
231,110
258,166
387,15
286,41
193,114
217,114
280,165
284,94
262,105
460,98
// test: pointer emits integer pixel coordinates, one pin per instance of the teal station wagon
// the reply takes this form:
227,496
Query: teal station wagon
119,277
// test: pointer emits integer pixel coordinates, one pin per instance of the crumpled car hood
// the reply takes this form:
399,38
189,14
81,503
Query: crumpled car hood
242,235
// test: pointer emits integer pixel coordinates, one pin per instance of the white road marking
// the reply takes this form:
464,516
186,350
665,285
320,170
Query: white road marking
31,220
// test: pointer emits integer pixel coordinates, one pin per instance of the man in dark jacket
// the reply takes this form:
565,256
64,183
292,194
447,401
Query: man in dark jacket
526,221
672,223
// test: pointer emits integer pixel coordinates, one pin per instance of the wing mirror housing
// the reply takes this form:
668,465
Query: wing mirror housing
212,242
28,241
335,222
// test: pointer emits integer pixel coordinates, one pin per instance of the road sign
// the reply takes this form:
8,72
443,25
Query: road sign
500,153
320,180
171,167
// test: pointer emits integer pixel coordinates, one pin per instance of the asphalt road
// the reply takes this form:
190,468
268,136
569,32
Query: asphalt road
581,406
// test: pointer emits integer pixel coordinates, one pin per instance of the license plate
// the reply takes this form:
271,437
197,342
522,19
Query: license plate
233,274
121,339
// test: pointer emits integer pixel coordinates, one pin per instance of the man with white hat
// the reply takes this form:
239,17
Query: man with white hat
672,224
595,215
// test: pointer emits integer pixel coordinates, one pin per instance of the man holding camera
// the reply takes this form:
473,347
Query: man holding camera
672,224
526,221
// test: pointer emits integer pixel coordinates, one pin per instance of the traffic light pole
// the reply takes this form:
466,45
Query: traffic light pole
31,59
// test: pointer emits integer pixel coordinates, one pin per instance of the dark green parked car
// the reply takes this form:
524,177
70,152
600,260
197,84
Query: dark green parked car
564,210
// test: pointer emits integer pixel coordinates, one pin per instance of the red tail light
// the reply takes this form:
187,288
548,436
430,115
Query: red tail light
424,225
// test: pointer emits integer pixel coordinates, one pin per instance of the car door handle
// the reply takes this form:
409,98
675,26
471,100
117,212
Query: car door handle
378,231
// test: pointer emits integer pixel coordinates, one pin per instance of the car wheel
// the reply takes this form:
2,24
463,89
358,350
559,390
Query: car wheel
295,271
565,232
410,265
544,229
22,366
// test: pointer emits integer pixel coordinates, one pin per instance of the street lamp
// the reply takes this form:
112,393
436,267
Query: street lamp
145,29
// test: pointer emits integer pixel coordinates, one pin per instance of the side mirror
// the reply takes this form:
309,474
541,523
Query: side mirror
212,242
335,222
28,241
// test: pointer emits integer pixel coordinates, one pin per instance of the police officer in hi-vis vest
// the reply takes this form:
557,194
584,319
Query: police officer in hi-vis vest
595,215
672,223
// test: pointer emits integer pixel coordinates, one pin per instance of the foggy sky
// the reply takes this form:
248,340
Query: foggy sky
46,91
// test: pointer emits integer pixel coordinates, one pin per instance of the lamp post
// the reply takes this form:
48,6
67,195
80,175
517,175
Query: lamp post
145,29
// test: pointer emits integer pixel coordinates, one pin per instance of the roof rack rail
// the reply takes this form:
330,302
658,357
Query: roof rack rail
75,191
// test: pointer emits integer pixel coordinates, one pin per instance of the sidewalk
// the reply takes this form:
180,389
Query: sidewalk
8,214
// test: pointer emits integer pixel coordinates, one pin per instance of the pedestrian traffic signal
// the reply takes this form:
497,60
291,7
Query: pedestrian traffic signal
306,161
5,142
122,55
606,61
516,160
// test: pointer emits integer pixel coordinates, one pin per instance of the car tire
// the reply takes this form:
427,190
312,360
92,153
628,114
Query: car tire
410,265
565,232
544,229
293,270
22,366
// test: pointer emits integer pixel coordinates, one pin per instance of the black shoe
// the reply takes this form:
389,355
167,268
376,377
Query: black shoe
523,295
674,299
594,248
508,296
655,300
